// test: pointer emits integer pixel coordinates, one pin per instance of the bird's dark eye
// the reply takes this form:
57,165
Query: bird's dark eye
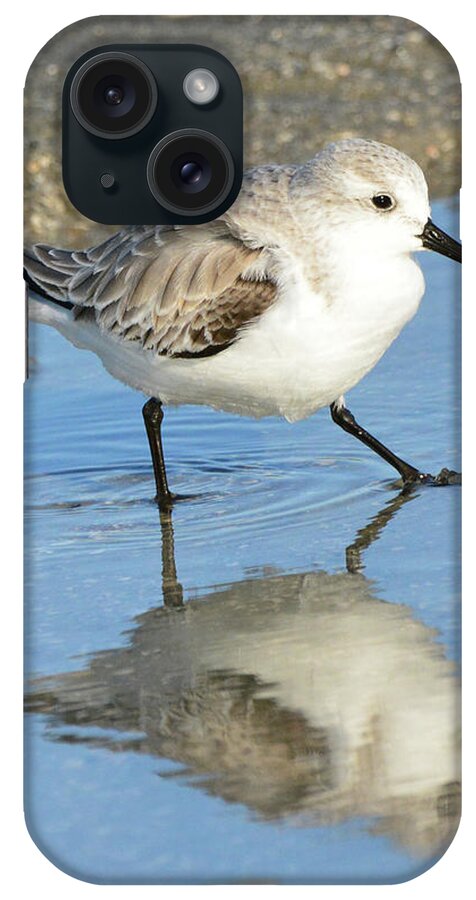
383,201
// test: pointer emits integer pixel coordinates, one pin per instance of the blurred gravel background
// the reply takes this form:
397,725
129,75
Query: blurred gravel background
306,80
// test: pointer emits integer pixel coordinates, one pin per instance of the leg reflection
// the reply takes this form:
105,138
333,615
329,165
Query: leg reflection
372,531
171,588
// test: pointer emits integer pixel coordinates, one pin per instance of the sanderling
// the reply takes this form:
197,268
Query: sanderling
279,307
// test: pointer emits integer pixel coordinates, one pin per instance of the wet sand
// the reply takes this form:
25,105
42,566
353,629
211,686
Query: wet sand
306,80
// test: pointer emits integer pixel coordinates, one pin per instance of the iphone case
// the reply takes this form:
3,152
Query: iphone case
260,682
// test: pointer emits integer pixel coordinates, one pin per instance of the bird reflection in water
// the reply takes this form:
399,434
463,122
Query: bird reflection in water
303,696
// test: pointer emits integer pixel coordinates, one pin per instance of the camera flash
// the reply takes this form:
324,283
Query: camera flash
201,86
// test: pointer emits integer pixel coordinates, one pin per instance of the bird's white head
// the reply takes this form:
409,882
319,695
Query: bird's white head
370,198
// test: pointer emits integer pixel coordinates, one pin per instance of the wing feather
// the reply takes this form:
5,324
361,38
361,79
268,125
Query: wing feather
182,292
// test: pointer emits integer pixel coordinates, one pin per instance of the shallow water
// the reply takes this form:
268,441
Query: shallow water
280,718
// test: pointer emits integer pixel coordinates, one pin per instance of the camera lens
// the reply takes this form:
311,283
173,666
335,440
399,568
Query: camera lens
190,172
113,95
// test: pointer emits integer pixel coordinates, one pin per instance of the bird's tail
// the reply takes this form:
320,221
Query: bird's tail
54,278
72,279
63,276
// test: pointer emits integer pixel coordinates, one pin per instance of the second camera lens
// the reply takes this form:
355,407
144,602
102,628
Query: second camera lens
190,172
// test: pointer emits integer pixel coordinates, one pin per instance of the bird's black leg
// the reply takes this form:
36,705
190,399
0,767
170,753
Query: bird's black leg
153,415
343,417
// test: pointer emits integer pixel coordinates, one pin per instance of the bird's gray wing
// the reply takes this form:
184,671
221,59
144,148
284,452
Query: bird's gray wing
182,292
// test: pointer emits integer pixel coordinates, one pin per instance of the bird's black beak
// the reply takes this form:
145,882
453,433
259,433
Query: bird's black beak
433,238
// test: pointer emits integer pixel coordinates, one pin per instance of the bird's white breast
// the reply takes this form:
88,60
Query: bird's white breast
306,350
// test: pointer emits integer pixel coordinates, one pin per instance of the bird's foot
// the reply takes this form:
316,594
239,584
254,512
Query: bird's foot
166,502
445,477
